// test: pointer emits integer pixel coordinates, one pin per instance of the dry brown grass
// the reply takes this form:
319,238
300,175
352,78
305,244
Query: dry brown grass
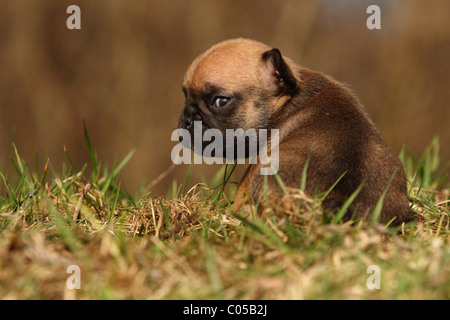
187,248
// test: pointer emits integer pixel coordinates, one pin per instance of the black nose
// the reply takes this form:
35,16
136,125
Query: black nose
188,123
190,114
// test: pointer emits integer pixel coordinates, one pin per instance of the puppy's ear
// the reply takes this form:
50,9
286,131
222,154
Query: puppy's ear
276,74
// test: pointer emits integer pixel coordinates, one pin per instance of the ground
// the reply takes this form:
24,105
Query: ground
192,245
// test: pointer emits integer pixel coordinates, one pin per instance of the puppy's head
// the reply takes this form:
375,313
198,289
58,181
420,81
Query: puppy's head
235,84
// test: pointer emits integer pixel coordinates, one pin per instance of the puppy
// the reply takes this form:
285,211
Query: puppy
246,84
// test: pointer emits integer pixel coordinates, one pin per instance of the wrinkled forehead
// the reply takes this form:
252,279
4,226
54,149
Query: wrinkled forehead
227,65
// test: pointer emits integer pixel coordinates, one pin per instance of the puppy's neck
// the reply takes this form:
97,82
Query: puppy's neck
311,85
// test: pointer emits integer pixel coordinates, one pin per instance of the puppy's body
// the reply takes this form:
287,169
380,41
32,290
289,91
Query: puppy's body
320,123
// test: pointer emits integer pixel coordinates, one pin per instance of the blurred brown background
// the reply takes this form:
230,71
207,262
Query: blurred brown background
123,70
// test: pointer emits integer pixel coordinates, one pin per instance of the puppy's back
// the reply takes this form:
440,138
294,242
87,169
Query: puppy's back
334,133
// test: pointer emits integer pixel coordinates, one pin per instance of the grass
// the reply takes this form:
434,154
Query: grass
191,245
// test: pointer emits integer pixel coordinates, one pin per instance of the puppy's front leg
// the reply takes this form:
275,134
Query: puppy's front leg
243,191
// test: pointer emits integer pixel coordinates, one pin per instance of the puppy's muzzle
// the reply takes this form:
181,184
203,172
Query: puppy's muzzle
190,114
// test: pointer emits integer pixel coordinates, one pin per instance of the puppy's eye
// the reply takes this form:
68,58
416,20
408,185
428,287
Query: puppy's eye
220,102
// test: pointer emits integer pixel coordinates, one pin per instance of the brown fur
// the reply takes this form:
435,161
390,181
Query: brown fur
319,119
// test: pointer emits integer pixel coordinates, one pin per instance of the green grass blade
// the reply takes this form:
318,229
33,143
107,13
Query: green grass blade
212,270
69,159
379,206
332,187
281,183
247,222
166,216
218,177
116,171
123,163
20,183
92,153
18,162
187,178
343,210
304,174
226,178
8,188
114,204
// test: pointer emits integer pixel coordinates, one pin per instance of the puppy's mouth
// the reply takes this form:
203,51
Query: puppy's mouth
191,123
196,126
